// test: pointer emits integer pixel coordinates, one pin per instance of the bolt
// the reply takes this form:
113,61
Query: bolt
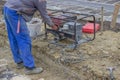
111,72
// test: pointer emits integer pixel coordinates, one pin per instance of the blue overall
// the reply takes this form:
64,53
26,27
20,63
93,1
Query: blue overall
20,43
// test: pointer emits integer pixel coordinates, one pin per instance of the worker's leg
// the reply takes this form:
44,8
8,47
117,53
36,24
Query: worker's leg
12,40
23,39
24,43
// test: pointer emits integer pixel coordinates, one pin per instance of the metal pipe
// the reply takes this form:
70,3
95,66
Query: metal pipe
102,18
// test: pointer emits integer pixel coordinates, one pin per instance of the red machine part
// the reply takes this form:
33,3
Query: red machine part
58,20
89,28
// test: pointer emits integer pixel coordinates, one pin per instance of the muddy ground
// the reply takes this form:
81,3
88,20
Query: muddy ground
93,58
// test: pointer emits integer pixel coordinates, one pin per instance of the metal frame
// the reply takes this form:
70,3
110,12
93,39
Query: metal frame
76,43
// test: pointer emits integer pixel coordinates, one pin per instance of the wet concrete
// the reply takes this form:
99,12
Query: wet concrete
87,6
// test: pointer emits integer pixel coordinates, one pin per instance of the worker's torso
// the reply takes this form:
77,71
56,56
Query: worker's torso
25,6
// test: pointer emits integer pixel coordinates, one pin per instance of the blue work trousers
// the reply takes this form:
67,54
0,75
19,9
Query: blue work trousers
20,43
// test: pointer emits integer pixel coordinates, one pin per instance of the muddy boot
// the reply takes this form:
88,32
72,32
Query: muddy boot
20,65
33,71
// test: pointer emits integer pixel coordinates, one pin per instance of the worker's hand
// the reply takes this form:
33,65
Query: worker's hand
54,27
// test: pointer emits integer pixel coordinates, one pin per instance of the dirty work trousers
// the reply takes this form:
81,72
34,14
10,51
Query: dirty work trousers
20,43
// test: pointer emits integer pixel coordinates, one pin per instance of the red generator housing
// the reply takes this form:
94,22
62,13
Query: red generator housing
89,28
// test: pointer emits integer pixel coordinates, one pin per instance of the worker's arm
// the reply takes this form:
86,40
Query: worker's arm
41,6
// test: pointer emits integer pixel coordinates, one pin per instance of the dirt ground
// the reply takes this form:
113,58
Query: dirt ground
95,57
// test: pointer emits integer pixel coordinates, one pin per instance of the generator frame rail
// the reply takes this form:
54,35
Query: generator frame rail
76,42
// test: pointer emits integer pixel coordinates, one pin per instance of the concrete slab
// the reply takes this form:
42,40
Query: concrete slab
87,6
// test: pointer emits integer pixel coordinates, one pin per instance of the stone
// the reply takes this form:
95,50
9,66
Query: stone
21,77
41,79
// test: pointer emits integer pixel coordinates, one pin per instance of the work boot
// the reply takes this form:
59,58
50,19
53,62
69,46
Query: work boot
33,71
20,65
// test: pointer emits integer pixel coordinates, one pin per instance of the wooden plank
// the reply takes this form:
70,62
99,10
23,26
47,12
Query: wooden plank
115,15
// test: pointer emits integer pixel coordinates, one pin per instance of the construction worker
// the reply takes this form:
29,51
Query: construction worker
16,14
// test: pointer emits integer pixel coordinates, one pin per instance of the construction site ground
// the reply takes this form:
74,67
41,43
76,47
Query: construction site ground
95,57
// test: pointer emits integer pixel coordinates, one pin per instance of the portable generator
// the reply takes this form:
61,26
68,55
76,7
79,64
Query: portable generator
70,27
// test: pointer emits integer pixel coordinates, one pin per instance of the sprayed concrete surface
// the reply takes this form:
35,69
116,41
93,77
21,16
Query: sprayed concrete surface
87,6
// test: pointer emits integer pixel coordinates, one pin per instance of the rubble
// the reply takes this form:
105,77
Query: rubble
20,77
